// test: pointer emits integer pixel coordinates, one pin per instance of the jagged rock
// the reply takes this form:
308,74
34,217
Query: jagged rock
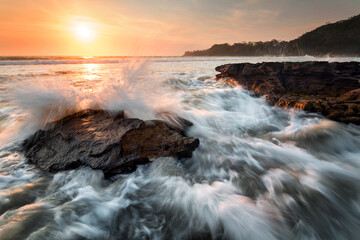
331,89
112,143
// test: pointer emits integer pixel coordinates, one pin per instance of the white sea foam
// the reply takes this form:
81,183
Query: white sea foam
259,173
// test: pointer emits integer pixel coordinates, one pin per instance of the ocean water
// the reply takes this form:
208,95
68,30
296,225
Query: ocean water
260,172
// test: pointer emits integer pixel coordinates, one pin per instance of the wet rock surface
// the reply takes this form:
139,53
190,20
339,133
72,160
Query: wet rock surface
330,89
112,143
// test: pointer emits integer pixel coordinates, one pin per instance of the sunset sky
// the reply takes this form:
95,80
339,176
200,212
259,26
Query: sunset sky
155,27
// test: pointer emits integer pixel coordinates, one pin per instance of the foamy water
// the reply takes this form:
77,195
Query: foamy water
260,172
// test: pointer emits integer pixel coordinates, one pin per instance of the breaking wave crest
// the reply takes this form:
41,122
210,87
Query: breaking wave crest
41,101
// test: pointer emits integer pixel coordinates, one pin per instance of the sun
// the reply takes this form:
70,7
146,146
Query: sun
84,32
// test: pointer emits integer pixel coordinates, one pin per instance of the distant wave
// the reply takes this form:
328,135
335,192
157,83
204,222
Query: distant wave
109,60
6,61
69,61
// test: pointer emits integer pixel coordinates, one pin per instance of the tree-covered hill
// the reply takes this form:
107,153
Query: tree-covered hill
334,39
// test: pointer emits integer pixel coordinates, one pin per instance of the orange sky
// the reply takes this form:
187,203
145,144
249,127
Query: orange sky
157,27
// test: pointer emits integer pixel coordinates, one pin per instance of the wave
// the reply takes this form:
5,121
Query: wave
6,61
42,100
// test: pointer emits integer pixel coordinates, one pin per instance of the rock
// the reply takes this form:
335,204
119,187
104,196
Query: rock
112,143
330,89
175,121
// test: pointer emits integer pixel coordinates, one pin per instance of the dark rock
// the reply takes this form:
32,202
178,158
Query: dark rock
175,122
331,89
112,143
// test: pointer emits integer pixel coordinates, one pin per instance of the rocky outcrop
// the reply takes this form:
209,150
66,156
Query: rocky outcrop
112,143
330,89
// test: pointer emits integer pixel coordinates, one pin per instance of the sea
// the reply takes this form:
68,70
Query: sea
260,172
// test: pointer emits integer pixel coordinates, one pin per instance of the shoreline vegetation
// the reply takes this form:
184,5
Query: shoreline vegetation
337,39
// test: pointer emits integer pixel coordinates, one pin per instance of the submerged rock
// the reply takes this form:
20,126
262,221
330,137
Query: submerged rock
114,144
330,89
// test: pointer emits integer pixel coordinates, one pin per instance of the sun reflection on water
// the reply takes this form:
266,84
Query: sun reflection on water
91,71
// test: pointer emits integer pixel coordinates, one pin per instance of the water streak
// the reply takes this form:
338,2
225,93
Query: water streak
259,173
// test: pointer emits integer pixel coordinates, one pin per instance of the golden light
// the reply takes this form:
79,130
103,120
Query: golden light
84,31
